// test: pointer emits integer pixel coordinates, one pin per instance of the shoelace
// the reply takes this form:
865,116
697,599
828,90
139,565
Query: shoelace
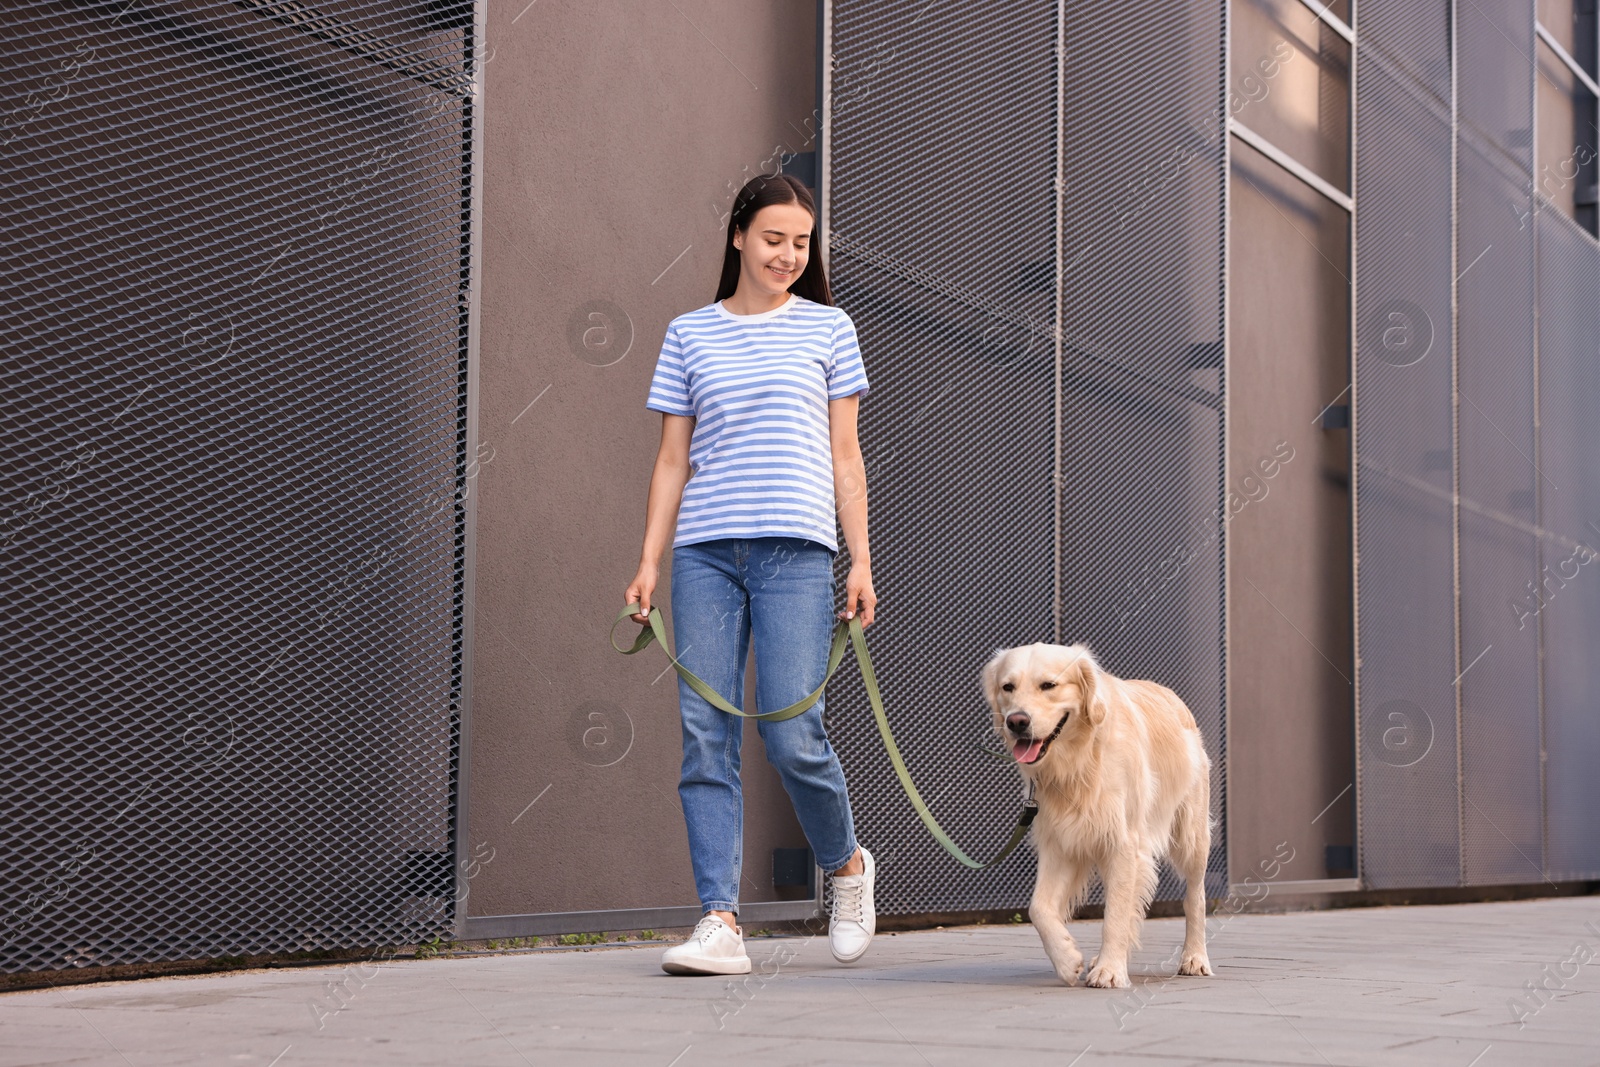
848,901
705,928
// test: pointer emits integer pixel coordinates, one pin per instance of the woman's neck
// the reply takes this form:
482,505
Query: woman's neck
745,302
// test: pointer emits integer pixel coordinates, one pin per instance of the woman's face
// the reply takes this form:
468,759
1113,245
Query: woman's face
774,249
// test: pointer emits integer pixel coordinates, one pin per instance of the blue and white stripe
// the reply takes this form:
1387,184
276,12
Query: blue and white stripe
758,387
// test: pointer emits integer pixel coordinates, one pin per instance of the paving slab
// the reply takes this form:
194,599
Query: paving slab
1405,986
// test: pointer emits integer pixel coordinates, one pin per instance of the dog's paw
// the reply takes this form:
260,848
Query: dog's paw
1195,963
1066,960
1106,977
1069,968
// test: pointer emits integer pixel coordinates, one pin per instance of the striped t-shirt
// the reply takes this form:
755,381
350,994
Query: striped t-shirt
758,387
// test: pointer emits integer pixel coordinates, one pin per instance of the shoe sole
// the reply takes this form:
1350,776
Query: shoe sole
713,967
858,955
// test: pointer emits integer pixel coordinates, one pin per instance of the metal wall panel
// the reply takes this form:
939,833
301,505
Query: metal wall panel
942,236
1405,589
1291,655
1500,817
234,470
968,201
1143,370
1475,491
1569,605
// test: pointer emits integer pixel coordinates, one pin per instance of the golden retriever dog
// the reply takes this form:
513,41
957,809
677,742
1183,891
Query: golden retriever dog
1122,780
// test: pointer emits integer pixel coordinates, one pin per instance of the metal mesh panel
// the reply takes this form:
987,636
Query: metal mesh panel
1470,426
1500,817
1406,724
233,474
943,242
1142,427
1569,383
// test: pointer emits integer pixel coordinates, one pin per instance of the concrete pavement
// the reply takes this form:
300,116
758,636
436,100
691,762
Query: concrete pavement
1413,985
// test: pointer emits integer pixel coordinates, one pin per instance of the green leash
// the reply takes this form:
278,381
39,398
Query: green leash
656,631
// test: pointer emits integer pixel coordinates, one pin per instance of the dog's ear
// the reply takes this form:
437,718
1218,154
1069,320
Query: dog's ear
1091,689
989,677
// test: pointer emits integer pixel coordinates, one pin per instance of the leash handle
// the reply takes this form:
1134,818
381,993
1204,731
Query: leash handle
656,631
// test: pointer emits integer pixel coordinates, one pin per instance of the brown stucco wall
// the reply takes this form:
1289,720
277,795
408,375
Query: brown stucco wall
616,134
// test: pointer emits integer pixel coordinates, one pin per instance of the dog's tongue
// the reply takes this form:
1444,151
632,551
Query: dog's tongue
1027,751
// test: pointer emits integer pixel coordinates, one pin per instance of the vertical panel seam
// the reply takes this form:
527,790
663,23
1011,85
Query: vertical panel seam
1538,434
1355,448
1455,421
1060,301
1226,435
466,551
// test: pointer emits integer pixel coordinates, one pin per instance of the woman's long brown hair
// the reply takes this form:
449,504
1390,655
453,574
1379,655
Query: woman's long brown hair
759,192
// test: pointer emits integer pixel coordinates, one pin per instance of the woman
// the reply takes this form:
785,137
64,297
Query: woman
758,393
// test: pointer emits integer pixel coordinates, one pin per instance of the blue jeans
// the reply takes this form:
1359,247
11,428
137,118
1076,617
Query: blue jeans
780,591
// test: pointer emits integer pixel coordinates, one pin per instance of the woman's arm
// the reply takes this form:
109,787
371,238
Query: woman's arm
850,491
671,474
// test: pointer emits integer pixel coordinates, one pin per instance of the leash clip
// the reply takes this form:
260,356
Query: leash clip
1030,807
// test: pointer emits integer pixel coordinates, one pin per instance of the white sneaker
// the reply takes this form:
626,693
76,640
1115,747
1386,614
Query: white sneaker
853,920
713,948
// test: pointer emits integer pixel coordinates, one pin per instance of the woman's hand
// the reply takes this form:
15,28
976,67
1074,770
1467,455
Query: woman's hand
858,587
667,479
850,494
640,590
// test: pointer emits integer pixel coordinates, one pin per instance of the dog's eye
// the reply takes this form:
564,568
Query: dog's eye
1008,687
1047,685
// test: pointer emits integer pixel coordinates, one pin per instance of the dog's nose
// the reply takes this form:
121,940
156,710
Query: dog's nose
1017,721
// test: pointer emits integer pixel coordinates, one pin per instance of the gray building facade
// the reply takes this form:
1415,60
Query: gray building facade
1247,342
